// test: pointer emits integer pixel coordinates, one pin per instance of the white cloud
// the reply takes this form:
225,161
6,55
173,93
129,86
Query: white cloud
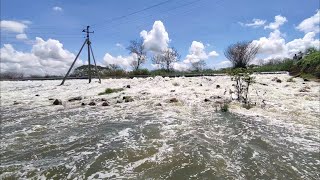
157,39
119,45
222,64
46,57
57,8
180,66
21,36
13,26
302,44
197,53
310,24
255,23
123,62
278,21
275,46
213,54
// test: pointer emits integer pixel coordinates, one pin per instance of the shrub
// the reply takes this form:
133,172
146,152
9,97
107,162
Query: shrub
225,107
110,90
243,80
140,72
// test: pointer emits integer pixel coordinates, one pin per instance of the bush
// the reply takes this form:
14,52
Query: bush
243,80
140,72
225,107
110,90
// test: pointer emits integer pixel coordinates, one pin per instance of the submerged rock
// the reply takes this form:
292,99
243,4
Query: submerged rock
16,103
37,95
92,103
105,103
57,102
173,100
158,104
50,99
127,99
173,91
79,98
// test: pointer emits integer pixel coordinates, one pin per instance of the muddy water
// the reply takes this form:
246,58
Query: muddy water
88,143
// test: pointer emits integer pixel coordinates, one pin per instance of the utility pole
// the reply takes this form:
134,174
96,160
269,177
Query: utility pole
90,51
88,43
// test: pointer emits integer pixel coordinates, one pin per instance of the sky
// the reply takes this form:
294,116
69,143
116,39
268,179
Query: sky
43,37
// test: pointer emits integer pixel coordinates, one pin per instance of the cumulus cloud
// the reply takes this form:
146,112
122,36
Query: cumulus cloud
310,24
157,39
13,26
255,23
123,62
57,8
178,66
197,53
46,57
222,64
278,21
21,36
275,46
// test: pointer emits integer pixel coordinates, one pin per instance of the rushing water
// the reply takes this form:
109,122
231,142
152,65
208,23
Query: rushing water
88,143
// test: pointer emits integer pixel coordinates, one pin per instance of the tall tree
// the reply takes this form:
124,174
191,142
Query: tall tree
198,66
137,47
166,58
241,54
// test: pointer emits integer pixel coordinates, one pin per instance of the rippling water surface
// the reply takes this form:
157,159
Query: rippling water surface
89,143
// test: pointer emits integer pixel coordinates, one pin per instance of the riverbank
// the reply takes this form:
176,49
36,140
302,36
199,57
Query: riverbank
293,98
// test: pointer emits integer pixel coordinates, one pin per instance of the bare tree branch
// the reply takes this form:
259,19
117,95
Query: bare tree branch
137,47
241,54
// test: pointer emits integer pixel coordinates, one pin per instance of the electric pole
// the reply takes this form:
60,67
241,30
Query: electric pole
90,51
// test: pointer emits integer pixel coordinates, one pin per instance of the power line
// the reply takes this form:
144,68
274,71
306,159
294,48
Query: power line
135,12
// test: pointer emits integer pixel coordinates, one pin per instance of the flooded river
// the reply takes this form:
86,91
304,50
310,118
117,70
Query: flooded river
90,143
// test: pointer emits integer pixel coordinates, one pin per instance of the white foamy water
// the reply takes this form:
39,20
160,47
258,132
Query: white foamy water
188,139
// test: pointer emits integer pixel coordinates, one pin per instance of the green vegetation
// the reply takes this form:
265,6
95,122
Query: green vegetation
307,67
110,90
243,80
274,65
225,107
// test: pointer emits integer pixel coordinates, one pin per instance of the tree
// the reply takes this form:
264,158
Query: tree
198,66
166,58
241,54
137,47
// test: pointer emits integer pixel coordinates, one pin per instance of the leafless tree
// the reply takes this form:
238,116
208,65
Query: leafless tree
241,54
11,75
198,66
166,58
137,47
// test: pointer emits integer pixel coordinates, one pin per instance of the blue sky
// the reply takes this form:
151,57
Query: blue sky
213,23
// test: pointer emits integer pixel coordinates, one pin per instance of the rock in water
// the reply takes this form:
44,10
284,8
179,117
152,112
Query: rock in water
217,86
92,103
206,100
79,98
57,102
128,86
105,103
173,100
127,98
